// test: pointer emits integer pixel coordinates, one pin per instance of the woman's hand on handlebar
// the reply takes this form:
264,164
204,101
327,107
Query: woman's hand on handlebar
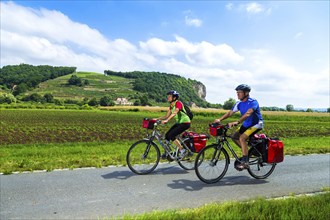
164,121
217,121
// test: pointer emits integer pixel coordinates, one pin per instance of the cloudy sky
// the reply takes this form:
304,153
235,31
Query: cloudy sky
279,48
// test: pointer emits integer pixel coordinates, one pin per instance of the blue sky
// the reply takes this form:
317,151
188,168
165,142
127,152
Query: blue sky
280,48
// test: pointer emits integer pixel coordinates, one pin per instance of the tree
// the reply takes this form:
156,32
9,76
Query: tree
21,88
289,108
7,98
137,102
144,100
309,110
49,98
229,104
106,101
328,110
75,80
34,97
93,102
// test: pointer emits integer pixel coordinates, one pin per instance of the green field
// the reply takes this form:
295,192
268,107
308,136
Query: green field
41,139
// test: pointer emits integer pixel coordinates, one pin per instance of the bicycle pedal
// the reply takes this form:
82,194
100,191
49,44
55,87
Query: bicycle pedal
238,169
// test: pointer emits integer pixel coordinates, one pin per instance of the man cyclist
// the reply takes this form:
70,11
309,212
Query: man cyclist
251,120
176,110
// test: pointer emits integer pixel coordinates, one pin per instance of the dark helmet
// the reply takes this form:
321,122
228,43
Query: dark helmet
243,87
173,93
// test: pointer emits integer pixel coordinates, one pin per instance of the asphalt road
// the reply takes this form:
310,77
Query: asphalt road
114,191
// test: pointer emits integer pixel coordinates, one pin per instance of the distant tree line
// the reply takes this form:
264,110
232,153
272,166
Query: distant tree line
49,98
24,77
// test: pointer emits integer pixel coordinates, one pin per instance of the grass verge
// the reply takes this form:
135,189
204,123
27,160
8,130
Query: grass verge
296,207
99,154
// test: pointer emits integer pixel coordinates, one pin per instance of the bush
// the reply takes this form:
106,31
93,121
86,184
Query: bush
75,80
49,98
7,98
93,102
106,101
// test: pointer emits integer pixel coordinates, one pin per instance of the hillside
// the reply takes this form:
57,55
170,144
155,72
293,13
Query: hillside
156,85
24,77
99,86
114,86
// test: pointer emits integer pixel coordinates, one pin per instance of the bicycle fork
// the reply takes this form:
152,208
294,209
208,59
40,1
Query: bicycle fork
215,157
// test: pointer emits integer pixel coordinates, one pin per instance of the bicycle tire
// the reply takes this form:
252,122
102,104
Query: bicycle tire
188,162
214,164
257,168
141,162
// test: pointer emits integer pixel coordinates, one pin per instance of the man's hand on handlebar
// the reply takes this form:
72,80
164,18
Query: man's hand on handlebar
232,124
164,122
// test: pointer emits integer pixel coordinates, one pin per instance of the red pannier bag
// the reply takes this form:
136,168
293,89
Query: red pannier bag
196,141
148,123
275,150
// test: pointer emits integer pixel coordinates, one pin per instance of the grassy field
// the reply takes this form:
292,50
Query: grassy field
41,139
295,207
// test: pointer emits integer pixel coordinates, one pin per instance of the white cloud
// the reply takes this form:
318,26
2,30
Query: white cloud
254,8
193,21
50,37
298,35
198,54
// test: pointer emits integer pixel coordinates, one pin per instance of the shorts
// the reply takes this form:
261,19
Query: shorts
176,130
247,131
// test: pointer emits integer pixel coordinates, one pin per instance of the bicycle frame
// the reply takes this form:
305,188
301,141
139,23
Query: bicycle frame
172,151
221,142
217,159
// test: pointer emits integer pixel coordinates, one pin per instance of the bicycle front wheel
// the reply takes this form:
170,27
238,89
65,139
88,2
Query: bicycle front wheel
143,157
211,164
257,168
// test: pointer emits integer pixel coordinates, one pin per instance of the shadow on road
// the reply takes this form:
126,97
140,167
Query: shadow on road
122,175
193,185
170,170
125,174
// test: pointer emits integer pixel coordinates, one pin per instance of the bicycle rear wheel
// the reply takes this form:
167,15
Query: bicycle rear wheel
188,162
257,168
143,157
211,164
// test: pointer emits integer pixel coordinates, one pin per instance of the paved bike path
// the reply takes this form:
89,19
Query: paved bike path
114,191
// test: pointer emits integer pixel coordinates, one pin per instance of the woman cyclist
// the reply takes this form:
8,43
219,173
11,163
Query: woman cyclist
177,111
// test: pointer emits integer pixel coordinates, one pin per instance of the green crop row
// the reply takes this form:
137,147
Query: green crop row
30,126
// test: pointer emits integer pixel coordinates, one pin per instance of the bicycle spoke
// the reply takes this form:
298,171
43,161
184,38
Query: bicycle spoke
214,164
257,168
143,157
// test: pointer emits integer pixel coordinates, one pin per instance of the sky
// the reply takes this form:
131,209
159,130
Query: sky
279,48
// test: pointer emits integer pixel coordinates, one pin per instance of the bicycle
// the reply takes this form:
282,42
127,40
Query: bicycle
144,155
214,163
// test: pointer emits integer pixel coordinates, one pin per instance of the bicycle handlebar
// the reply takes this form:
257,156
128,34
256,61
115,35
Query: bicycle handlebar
158,122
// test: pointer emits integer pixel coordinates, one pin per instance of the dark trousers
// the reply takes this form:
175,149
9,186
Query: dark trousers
176,130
